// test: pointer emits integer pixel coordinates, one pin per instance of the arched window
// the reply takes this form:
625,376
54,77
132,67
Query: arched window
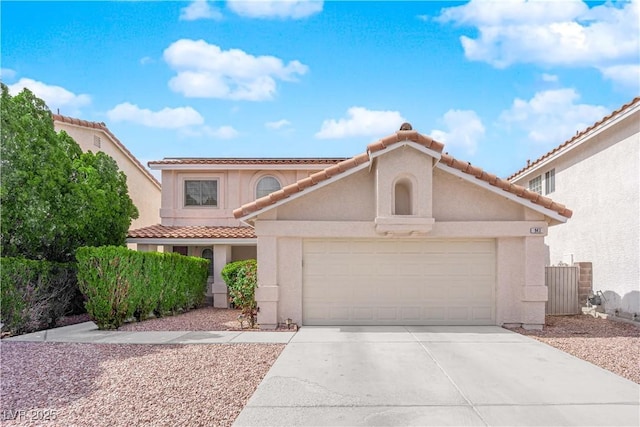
403,198
267,185
208,255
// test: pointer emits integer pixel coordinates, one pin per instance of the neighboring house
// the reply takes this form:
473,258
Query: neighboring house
144,188
402,235
198,199
597,173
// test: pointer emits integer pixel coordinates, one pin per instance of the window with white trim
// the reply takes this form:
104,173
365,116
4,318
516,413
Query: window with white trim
201,193
535,184
550,181
267,185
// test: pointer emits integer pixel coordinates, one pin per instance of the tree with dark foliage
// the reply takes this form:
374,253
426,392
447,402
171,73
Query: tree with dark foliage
54,198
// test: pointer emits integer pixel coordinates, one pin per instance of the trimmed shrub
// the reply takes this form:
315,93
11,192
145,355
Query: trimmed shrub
35,294
241,278
105,277
119,283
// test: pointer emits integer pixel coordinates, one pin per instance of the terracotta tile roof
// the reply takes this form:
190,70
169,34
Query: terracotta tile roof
577,136
246,161
382,144
101,126
192,232
505,185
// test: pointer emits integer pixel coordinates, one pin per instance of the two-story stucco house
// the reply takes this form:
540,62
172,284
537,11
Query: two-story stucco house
198,199
144,189
597,173
399,235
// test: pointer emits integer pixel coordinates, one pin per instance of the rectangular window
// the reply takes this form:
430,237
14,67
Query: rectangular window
96,141
201,193
535,184
550,181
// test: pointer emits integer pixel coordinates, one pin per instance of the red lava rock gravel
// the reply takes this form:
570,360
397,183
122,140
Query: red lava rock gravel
66,384
614,346
200,319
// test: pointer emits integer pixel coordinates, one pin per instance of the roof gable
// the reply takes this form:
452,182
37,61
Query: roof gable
580,136
449,163
102,127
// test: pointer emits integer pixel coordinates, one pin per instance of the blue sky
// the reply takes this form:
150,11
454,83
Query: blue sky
499,82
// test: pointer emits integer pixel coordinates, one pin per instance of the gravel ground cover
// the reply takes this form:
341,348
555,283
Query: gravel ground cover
200,319
198,385
614,346
65,384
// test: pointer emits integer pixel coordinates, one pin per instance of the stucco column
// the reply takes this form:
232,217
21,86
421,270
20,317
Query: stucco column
221,257
267,291
534,291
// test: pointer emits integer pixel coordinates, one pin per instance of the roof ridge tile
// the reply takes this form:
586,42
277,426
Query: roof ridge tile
383,143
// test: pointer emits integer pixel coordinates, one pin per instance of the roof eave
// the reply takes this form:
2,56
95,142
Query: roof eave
223,167
250,217
192,241
550,156
553,215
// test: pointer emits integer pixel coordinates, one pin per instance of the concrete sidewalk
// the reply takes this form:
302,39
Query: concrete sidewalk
435,376
88,332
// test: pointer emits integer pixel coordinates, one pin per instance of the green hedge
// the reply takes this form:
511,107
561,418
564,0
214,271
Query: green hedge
119,283
35,294
241,278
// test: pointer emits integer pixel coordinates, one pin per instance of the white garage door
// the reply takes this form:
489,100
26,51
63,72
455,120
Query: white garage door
398,282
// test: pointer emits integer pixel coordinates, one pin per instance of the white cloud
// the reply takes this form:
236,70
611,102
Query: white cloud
552,78
552,116
282,9
7,73
167,118
626,75
361,122
552,33
277,124
206,71
223,132
199,9
464,130
54,96
146,60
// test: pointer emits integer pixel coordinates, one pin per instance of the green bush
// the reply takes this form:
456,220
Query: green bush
241,278
35,294
119,283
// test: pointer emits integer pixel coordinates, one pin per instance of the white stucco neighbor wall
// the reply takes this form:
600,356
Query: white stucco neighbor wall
143,192
600,181
347,208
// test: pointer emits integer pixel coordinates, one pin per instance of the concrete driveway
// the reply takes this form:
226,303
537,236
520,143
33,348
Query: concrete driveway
425,376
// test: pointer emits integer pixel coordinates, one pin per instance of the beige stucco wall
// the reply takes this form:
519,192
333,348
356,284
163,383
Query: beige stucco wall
348,207
457,200
600,181
235,188
144,193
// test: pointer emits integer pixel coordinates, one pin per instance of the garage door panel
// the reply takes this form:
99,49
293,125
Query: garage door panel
391,282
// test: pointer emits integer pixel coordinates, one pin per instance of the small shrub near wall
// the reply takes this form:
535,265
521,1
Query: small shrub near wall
35,294
119,283
241,278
